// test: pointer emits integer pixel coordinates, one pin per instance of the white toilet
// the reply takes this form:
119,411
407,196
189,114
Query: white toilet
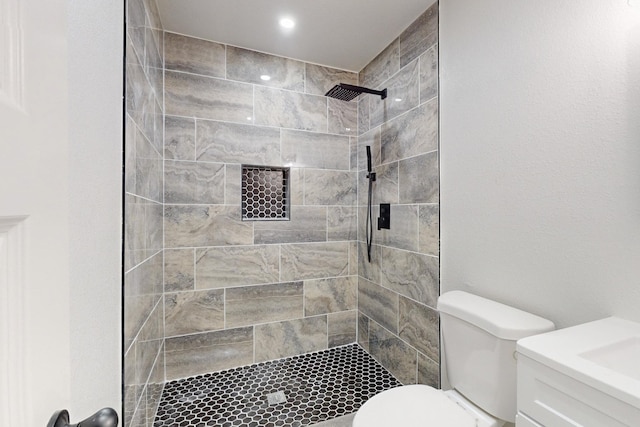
479,343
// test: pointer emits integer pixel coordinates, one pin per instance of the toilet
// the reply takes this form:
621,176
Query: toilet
479,343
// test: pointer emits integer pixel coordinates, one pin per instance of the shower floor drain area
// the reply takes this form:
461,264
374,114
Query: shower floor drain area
293,392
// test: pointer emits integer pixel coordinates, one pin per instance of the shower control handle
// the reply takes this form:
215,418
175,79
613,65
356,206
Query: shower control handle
384,220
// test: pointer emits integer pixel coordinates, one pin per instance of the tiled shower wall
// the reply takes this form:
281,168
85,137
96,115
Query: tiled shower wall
143,310
238,292
397,291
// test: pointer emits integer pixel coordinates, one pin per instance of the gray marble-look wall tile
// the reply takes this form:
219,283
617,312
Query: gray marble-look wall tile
320,79
411,274
142,292
179,138
233,184
324,296
342,328
419,326
236,266
248,66
130,155
153,14
363,114
342,117
207,97
314,260
148,344
342,223
135,229
205,225
369,270
411,134
378,303
288,338
329,187
372,139
131,390
429,74
179,270
307,224
195,354
363,331
193,182
428,371
419,179
403,233
193,55
153,228
317,150
148,169
250,305
419,36
353,154
385,187
392,353
353,258
403,94
282,108
382,67
194,311
429,229
237,143
296,188
136,17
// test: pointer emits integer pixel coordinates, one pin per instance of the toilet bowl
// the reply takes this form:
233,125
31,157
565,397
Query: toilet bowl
479,341
420,406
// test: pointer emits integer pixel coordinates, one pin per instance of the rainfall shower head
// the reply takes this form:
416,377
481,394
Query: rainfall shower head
347,92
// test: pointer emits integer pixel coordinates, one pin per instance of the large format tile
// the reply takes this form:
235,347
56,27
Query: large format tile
393,354
191,355
194,55
193,182
236,266
419,36
369,269
342,117
382,67
329,187
342,223
429,74
179,270
428,371
205,225
237,143
429,229
307,224
411,134
314,260
403,94
193,311
207,98
320,79
411,274
385,187
282,108
316,150
419,326
179,138
323,296
252,305
372,139
404,226
419,180
378,304
249,66
363,331
341,328
291,337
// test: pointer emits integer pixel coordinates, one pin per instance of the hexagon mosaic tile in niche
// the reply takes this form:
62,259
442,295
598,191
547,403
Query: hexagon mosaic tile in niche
315,387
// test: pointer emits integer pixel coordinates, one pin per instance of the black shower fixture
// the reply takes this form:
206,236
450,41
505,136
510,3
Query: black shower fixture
347,92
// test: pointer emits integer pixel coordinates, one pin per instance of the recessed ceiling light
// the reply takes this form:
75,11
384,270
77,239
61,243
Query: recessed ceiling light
287,23
265,77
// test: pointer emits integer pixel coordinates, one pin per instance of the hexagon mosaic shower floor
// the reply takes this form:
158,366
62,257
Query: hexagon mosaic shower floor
293,392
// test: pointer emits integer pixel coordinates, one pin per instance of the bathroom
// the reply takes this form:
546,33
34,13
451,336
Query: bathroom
537,179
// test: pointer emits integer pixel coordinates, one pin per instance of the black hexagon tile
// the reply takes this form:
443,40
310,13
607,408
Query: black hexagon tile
315,387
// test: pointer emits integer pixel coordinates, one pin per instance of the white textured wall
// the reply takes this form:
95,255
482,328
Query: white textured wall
540,155
95,46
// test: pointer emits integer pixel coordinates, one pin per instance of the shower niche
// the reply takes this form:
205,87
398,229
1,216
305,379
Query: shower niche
265,193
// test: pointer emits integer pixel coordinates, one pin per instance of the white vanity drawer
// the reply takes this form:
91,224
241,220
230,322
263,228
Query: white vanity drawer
553,399
524,421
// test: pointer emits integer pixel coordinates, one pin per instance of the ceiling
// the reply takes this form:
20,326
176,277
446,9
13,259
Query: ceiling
344,34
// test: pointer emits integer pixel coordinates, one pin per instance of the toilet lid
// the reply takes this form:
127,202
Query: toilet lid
412,406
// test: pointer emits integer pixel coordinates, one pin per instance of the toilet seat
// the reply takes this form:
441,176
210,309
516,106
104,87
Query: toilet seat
412,406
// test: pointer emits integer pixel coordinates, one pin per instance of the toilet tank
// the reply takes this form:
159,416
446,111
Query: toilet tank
479,343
